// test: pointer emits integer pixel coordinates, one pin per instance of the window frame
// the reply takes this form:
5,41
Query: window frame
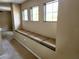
23,15
31,14
44,6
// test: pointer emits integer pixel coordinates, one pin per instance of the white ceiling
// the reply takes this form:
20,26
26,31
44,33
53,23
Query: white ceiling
12,1
5,4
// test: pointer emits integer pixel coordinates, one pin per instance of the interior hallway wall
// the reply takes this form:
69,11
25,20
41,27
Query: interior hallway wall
44,28
67,43
6,20
16,15
68,30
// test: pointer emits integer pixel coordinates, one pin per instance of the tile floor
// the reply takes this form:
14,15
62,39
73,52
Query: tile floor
9,51
13,50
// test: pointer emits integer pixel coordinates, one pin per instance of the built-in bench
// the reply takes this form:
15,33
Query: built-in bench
46,41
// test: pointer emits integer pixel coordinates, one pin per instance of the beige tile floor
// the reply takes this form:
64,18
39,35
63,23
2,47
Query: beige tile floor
13,50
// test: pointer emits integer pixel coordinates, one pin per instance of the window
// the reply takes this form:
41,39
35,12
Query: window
51,11
34,13
25,15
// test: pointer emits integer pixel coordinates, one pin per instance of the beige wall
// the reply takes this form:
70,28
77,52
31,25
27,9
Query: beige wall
5,19
16,16
68,30
45,28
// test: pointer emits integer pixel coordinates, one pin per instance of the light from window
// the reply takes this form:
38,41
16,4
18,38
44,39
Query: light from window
35,13
51,11
25,15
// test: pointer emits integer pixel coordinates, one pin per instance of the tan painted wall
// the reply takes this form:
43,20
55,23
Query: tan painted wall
6,20
68,30
44,28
